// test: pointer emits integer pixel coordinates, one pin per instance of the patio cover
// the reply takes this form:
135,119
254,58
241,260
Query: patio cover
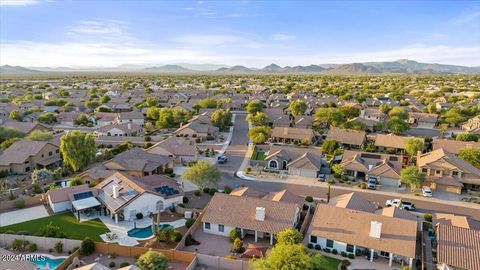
85,203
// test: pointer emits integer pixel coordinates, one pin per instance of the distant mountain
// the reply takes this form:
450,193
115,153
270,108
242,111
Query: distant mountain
311,68
168,68
405,66
235,69
355,68
15,69
201,67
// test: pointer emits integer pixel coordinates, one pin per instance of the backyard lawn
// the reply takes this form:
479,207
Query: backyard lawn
68,224
258,155
328,263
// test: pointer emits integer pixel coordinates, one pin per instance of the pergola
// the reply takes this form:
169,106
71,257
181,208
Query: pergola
83,204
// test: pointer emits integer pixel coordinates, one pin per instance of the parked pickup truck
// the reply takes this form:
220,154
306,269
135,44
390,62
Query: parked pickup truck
401,204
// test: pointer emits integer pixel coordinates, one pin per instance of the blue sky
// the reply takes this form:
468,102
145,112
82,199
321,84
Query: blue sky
251,33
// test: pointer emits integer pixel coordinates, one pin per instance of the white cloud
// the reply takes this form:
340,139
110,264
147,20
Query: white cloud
18,2
102,28
208,40
283,37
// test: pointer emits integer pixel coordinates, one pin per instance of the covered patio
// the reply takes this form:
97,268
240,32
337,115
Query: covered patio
88,208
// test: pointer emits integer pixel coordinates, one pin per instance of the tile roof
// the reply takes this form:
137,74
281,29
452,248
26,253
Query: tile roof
292,133
453,146
240,211
21,150
346,136
458,247
176,146
353,201
137,159
456,220
25,127
14,264
375,164
393,141
398,236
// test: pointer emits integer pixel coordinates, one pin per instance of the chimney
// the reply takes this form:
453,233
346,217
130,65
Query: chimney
115,191
129,126
375,229
260,213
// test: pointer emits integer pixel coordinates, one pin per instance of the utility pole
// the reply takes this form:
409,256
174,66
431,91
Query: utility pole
328,193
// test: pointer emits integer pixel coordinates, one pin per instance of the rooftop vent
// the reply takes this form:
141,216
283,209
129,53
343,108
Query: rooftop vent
375,229
260,213
115,191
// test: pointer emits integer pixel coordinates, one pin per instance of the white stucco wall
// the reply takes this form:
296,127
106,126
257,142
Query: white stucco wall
60,206
146,204
214,229
339,246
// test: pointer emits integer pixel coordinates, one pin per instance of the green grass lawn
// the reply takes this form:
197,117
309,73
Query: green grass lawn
327,263
67,222
258,155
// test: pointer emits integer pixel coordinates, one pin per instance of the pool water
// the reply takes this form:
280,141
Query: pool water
145,232
52,263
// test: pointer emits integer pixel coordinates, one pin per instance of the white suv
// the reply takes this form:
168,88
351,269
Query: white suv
426,191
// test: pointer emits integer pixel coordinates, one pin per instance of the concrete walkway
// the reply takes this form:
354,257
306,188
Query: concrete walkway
22,215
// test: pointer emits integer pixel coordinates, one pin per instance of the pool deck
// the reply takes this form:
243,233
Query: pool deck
121,229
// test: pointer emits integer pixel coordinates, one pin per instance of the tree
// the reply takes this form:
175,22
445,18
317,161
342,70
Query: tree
152,102
454,116
238,245
105,99
78,149
398,112
47,118
413,177
152,260
208,103
298,107
338,170
385,108
471,156
258,119
397,125
289,237
413,146
329,146
466,137
8,132
259,134
355,125
87,246
221,119
76,181
202,174
38,135
15,115
82,120
254,106
350,111
286,257
5,144
167,118
331,116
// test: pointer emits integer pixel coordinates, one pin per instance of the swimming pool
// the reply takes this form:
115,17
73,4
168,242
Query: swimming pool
146,232
42,260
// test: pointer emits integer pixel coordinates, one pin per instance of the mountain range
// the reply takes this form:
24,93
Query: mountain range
402,66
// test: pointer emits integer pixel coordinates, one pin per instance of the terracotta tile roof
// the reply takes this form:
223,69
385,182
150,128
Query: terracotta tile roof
306,161
376,164
456,220
21,150
240,211
424,117
396,212
176,146
25,127
123,127
398,236
63,194
345,136
249,192
137,159
453,146
285,196
353,201
14,264
292,133
458,247
393,141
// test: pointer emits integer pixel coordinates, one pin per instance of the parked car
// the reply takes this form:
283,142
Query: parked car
222,159
427,191
401,204
372,183
322,177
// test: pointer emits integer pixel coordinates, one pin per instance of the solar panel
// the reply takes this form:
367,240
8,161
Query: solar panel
83,195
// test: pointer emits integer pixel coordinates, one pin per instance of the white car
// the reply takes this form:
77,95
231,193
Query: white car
426,191
401,204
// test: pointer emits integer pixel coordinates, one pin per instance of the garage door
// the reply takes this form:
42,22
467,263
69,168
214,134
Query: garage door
389,182
447,188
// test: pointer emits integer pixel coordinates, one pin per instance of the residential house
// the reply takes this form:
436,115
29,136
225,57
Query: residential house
349,139
447,172
373,114
26,127
131,117
472,125
393,143
294,160
302,121
61,199
105,118
68,118
383,167
277,117
138,163
124,129
456,220
197,129
422,120
453,146
253,216
365,234
24,156
182,150
457,247
293,135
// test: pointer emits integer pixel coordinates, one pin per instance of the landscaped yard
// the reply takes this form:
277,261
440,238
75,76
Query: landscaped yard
328,263
68,224
258,155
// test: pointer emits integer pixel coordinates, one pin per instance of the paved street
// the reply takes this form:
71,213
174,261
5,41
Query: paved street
236,152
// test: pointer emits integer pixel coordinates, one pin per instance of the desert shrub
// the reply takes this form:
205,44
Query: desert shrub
206,190
362,185
185,199
212,191
309,199
318,247
227,189
189,222
197,193
238,246
58,247
20,203
234,234
111,264
19,245
190,241
124,264
87,247
334,251
176,236
32,247
428,217
310,245
351,255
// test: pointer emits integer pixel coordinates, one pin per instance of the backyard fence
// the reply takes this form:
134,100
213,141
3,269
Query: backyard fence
8,205
44,243
197,224
222,263
68,261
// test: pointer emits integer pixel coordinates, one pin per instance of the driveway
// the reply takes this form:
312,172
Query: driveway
22,215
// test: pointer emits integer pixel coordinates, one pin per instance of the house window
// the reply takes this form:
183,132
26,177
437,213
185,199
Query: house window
329,243
57,151
350,248
424,170
313,239
27,169
454,173
207,226
50,153
273,164
475,187
42,155
27,161
221,228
